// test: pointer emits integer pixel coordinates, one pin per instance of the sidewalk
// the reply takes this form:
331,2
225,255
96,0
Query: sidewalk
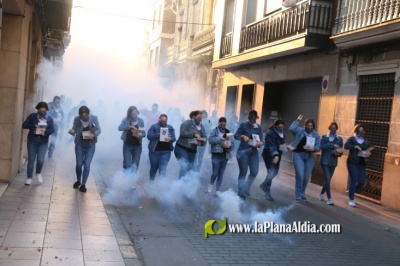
54,224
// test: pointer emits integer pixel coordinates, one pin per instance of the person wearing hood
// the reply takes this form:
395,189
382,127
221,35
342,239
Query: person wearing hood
250,135
305,143
220,153
192,135
161,136
329,159
133,132
86,129
40,126
358,147
272,155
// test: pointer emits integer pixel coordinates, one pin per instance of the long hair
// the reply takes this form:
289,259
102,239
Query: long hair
277,122
309,120
130,110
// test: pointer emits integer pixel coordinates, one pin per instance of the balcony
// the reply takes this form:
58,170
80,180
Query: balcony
364,22
303,27
200,44
203,42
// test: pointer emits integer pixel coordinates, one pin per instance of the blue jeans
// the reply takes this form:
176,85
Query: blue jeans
328,173
53,140
159,161
84,151
358,175
185,160
219,162
37,148
273,170
131,155
199,157
303,165
247,158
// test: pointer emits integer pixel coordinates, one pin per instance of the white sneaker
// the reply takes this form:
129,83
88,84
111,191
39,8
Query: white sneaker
352,203
210,187
330,202
219,193
321,197
28,181
39,178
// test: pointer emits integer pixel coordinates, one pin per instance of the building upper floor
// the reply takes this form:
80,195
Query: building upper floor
365,22
54,18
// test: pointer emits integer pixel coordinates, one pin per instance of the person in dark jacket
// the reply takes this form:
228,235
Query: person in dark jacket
56,112
220,153
272,154
86,129
40,126
206,123
356,161
192,134
328,160
133,131
250,135
160,146
305,143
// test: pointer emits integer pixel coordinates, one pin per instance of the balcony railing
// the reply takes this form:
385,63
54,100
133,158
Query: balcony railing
307,16
226,45
204,38
183,50
171,54
352,15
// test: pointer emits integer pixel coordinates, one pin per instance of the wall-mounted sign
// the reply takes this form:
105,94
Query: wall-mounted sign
325,83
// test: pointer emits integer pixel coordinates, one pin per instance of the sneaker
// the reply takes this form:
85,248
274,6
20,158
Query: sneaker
352,203
210,187
39,178
330,202
242,196
28,181
321,197
269,197
133,187
83,188
297,200
219,193
304,198
77,184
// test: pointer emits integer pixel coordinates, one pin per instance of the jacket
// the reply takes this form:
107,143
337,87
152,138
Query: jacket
32,120
299,133
125,127
187,132
154,136
327,158
272,144
216,144
248,130
94,127
350,145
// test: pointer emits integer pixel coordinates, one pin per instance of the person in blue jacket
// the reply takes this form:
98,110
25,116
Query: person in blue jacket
86,129
305,143
356,161
220,153
40,126
329,159
133,132
250,135
272,154
160,148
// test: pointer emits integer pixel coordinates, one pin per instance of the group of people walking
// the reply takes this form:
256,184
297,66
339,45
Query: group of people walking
193,137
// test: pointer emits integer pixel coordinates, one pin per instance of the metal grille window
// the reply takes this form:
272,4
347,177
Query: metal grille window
374,110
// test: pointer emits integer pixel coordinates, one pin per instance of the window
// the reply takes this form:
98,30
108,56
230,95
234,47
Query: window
229,16
251,11
271,6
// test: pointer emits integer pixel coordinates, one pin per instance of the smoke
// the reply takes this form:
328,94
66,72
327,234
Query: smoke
230,205
121,191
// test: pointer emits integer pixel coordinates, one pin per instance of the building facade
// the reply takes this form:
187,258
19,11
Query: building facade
30,31
189,57
328,60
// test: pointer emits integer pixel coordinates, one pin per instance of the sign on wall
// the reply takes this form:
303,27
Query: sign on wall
325,83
